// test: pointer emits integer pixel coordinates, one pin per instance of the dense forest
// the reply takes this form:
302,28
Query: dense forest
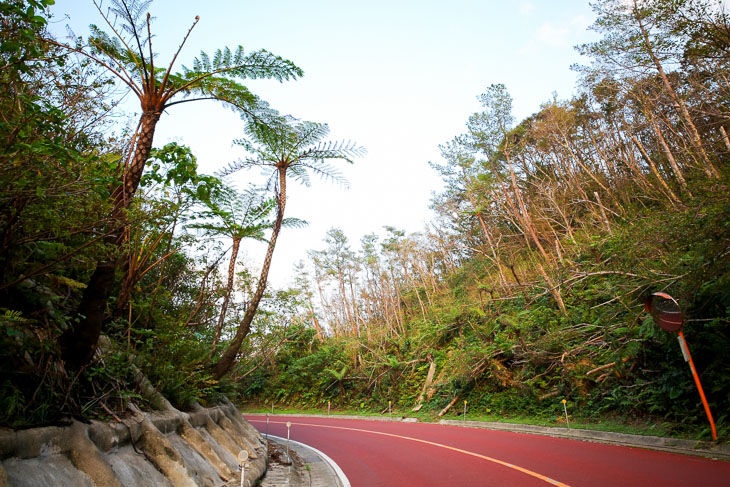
119,260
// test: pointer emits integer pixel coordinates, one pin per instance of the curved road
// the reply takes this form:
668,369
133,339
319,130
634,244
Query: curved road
379,453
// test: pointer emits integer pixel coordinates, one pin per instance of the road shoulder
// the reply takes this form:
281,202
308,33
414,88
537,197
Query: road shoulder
306,466
675,445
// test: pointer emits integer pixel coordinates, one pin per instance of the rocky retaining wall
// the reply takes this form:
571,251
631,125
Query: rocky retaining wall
163,449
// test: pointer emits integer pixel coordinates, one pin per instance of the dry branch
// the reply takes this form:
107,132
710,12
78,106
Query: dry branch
429,379
607,366
446,409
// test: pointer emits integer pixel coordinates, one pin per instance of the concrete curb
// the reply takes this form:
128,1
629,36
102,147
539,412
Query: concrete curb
333,477
674,445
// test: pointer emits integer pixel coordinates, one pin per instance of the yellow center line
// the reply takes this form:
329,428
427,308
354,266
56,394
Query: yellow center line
440,445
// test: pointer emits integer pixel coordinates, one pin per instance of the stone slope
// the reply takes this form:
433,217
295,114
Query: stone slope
167,448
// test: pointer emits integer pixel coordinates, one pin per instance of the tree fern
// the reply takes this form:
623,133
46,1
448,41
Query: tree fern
12,316
289,148
124,48
338,375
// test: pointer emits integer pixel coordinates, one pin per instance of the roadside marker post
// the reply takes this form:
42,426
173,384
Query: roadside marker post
328,407
667,314
390,411
464,411
267,426
565,408
688,359
242,458
288,429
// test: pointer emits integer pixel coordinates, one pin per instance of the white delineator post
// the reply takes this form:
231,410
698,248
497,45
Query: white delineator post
565,408
465,411
288,429
242,457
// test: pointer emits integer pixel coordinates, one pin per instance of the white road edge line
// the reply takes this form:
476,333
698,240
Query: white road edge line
338,471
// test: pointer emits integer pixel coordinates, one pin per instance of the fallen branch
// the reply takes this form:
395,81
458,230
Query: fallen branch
446,409
548,395
607,366
429,379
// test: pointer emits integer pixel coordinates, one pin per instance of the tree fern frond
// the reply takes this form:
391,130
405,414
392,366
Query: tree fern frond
338,375
239,56
245,215
311,132
284,142
132,12
334,150
294,223
226,90
12,316
101,43
112,50
203,64
236,166
255,65
327,172
134,20
299,173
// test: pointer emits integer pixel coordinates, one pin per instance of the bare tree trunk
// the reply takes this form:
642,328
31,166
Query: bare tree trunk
603,213
346,305
429,379
557,250
679,104
420,302
228,359
203,284
529,228
725,138
448,406
610,168
672,197
315,322
322,300
78,344
670,157
493,250
422,274
558,207
631,162
227,296
574,155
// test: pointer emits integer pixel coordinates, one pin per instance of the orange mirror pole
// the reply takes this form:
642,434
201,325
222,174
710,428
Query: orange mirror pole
688,358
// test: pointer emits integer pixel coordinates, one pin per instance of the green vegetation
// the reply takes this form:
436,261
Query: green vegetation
109,247
527,288
550,233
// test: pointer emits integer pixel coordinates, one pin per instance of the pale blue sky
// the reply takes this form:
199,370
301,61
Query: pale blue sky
398,77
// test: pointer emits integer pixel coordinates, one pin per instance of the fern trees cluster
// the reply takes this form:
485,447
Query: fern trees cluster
111,249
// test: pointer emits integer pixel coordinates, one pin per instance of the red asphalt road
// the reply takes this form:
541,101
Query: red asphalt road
379,453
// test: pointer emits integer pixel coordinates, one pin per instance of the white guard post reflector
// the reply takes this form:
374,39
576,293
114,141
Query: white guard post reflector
683,347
